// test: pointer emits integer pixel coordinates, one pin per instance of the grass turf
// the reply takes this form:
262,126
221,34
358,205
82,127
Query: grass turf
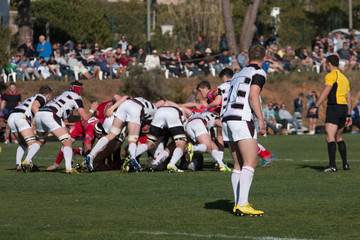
299,202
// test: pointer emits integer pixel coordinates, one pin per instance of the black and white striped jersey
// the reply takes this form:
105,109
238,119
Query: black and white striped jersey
208,118
223,91
238,106
148,108
64,104
25,106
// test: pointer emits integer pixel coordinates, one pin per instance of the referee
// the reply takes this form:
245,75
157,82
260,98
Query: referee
338,111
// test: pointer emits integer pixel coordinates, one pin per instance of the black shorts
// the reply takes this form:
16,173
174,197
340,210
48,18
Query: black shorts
336,114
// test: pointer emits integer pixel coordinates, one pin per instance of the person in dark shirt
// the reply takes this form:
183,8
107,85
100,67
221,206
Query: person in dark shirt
10,100
28,48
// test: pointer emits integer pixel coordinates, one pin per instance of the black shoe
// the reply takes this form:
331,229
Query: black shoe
34,168
330,169
346,167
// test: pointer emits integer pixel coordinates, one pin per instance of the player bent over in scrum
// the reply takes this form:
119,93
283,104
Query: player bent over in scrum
51,118
172,118
239,130
132,111
197,129
20,124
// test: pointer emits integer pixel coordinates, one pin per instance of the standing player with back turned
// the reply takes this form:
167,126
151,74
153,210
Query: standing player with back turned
239,129
338,111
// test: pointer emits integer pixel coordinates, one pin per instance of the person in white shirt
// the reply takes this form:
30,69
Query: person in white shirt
152,61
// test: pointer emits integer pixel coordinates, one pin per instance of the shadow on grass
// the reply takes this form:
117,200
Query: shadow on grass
315,168
224,205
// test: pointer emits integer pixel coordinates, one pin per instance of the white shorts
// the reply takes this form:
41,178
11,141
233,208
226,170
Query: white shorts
195,128
108,123
129,111
47,120
166,117
18,122
233,131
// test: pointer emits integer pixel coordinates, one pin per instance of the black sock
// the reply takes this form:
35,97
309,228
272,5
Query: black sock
342,150
332,153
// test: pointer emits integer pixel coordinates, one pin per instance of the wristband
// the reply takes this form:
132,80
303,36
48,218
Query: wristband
92,111
348,115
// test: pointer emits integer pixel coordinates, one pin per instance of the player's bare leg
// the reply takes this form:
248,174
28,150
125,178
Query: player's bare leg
33,146
64,137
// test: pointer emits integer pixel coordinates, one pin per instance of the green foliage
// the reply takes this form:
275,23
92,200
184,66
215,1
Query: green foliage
5,39
150,84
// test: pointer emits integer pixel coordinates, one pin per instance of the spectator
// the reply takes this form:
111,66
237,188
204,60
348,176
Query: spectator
339,42
124,62
312,99
44,48
198,60
272,60
140,56
285,114
123,44
26,68
298,105
329,39
283,122
318,57
89,62
187,61
346,60
269,117
44,70
53,66
355,115
64,67
95,48
152,61
306,60
77,66
242,58
79,52
130,52
201,43
102,64
271,40
234,64
357,55
84,44
224,58
172,64
211,60
316,41
223,42
28,48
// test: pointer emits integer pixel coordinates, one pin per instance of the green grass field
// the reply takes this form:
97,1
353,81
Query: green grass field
299,201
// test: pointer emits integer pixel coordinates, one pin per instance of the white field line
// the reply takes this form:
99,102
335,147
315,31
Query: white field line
217,236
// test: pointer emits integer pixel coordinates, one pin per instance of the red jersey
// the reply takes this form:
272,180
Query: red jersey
84,129
211,95
101,111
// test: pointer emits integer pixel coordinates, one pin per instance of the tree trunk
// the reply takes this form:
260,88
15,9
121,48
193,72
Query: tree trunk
229,27
248,28
23,7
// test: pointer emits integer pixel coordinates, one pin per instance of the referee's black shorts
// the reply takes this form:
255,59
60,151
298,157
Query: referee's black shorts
336,114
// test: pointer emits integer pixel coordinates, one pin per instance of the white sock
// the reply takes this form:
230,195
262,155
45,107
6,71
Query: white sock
235,181
32,150
132,150
201,148
217,157
141,149
222,155
68,154
99,145
161,157
19,154
246,177
177,154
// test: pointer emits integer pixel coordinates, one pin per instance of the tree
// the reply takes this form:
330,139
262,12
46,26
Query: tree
24,22
229,27
248,28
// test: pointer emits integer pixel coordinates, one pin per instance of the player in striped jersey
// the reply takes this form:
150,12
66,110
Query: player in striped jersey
239,129
20,122
133,111
221,99
51,118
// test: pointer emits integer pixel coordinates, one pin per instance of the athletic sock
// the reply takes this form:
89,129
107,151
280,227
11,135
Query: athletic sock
246,177
60,156
141,149
32,150
68,154
161,157
332,153
342,150
262,152
99,145
132,150
201,148
217,157
177,154
19,154
235,181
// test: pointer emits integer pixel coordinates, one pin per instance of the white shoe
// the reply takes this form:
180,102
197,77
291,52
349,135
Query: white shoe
311,132
6,141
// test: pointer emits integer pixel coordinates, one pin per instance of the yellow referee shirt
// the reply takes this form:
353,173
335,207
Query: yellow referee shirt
340,85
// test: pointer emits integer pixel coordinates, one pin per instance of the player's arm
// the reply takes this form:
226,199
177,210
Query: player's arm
110,110
349,105
215,103
116,97
254,98
192,105
323,96
3,104
218,122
